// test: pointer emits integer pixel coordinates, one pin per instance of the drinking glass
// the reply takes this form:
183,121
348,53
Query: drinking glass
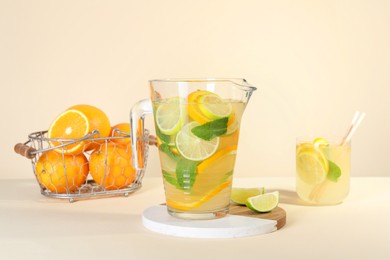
322,170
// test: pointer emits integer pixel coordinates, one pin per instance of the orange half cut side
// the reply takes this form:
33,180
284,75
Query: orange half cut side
71,124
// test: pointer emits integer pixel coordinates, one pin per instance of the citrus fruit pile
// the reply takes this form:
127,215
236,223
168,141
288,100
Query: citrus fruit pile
67,167
197,137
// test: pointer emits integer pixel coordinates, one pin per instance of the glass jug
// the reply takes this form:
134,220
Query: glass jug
197,124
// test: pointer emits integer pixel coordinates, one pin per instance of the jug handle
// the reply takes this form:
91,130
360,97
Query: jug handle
137,117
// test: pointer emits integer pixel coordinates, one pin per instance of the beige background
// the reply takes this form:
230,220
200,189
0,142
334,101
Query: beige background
314,62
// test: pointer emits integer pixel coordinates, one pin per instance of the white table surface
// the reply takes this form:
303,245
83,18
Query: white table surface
33,226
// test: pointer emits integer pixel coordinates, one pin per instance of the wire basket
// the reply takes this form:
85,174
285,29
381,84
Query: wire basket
71,176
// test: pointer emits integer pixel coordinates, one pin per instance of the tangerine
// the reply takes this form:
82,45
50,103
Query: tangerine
111,166
61,173
121,130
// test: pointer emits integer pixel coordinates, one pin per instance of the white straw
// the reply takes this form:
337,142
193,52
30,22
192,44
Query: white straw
357,119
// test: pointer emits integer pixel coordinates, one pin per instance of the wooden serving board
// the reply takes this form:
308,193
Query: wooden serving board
240,222
278,214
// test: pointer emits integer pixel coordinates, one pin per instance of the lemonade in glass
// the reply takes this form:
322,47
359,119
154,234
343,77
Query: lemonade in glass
197,124
323,170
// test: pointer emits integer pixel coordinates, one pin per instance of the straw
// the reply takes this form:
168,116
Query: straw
357,119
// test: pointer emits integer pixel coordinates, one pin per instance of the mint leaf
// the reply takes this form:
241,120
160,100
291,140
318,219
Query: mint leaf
186,173
211,129
163,137
167,149
334,172
170,178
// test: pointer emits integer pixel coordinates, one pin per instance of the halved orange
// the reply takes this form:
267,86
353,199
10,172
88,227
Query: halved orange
75,123
71,124
98,120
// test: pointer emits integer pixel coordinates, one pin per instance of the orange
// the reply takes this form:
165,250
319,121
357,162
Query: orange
61,173
220,162
98,120
71,124
111,166
76,122
193,107
195,204
122,130
228,140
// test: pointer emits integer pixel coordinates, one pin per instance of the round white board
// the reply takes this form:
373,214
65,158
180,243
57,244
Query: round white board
157,219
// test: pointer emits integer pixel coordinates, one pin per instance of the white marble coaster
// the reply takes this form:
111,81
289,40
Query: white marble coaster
157,219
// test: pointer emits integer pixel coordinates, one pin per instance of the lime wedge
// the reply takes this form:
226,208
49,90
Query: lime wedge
214,107
170,116
311,165
192,147
264,202
241,195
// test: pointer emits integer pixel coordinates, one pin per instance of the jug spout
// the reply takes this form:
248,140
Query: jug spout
245,87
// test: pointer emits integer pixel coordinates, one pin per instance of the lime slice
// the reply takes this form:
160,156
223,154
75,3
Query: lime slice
192,147
214,107
232,127
264,202
170,115
312,166
168,164
241,195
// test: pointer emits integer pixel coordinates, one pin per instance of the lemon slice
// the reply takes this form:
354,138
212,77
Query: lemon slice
214,107
264,202
320,142
312,165
193,107
170,115
192,147
241,195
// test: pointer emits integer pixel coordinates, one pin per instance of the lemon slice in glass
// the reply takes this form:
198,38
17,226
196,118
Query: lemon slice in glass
214,107
312,165
170,115
320,142
264,202
241,195
192,147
